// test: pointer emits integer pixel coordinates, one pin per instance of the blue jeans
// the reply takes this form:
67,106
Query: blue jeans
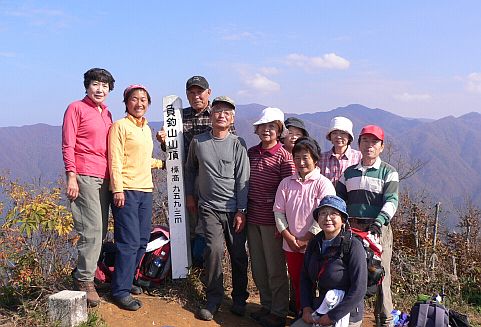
132,226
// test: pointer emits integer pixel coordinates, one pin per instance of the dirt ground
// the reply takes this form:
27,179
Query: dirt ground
159,312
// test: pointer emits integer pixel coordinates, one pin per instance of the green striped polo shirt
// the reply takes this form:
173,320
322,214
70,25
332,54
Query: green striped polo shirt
370,192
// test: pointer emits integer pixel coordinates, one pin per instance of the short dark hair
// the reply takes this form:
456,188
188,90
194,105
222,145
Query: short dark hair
308,144
98,74
129,93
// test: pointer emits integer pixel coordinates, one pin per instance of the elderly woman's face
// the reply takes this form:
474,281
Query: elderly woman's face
293,134
330,220
138,103
304,162
268,132
98,92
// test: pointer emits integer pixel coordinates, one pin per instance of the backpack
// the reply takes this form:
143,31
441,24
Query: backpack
155,264
428,314
105,264
375,271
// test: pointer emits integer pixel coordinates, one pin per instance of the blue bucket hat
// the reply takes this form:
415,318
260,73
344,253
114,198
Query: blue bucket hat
332,201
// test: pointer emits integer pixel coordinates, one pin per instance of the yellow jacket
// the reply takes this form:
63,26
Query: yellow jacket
130,155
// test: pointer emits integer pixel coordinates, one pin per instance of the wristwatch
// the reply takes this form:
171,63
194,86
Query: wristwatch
243,211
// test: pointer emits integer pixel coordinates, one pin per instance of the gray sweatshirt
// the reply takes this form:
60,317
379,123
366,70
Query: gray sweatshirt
223,170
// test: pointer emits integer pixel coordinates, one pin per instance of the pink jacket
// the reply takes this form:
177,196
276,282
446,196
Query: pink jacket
84,138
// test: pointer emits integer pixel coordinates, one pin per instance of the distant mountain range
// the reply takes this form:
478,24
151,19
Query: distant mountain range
448,148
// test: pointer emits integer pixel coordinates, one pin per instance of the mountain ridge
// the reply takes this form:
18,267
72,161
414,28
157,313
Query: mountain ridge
446,146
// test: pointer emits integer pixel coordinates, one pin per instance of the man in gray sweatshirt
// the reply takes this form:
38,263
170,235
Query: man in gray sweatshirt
219,160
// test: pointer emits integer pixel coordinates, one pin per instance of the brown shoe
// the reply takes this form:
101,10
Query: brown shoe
272,320
93,299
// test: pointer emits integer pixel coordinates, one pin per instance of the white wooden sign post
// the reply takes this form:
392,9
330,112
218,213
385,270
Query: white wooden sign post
180,249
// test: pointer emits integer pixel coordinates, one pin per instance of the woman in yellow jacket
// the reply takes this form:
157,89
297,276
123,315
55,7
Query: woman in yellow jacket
130,163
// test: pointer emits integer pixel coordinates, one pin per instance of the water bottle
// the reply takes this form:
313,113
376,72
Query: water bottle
154,267
316,316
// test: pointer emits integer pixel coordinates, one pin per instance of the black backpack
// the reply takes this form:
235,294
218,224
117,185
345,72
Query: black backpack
428,314
375,271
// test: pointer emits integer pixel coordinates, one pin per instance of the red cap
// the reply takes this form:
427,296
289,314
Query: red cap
374,130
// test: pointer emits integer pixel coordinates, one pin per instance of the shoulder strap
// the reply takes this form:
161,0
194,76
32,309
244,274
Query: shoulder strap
346,240
422,315
439,316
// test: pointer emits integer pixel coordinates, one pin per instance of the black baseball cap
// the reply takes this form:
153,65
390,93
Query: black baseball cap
199,81
296,122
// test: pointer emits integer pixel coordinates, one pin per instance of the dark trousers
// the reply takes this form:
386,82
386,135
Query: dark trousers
132,225
218,226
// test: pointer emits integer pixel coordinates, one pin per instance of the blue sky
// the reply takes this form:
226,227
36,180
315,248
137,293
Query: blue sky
412,58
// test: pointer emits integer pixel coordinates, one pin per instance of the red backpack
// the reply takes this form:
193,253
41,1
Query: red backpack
155,265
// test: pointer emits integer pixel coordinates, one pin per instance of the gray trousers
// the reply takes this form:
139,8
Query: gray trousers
383,304
90,212
269,268
218,226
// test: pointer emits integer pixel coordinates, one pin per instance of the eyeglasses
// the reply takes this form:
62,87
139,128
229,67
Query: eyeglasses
332,214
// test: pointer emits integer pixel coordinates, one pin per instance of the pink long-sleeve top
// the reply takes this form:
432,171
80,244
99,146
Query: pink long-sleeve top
84,138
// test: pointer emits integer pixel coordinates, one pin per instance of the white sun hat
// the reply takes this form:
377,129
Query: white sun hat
269,115
340,124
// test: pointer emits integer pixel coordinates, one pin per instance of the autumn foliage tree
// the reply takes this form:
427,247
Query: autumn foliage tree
36,241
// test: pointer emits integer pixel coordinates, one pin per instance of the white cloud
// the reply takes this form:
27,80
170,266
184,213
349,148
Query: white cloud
327,61
409,97
474,83
261,83
269,70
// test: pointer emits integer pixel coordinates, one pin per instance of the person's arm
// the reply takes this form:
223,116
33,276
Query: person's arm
281,221
390,197
279,207
241,173
191,171
357,270
287,166
69,139
116,157
241,176
161,136
341,189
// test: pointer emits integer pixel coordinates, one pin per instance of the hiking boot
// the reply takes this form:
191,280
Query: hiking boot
93,299
127,303
208,312
238,309
135,290
257,315
272,320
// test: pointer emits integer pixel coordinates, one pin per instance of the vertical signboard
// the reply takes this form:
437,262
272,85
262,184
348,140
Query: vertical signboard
180,249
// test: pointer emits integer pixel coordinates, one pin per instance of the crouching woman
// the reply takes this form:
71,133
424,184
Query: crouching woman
331,274
130,163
